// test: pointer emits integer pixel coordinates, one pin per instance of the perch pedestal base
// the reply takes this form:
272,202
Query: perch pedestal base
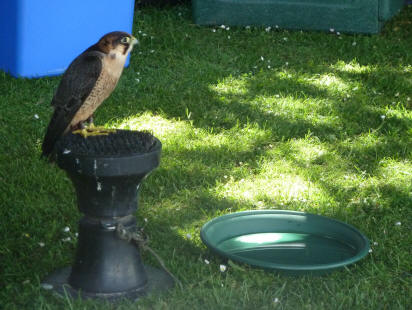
157,281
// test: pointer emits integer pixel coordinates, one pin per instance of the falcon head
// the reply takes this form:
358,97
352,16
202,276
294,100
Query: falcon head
117,43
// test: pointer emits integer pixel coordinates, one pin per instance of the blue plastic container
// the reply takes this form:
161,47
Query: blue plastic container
41,37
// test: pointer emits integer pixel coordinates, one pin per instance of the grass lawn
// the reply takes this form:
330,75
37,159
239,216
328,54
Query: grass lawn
249,119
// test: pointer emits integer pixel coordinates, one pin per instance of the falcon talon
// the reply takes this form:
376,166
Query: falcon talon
101,129
98,131
95,131
82,132
87,133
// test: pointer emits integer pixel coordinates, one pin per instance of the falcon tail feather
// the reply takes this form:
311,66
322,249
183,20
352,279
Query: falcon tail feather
56,129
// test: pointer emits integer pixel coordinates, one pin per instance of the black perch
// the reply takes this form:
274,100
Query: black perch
106,171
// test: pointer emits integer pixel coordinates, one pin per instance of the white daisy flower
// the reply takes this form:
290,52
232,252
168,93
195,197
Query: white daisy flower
47,286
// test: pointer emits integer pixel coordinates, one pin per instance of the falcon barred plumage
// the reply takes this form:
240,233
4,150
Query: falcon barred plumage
87,82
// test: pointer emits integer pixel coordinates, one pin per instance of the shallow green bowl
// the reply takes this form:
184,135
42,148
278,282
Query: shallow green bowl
289,241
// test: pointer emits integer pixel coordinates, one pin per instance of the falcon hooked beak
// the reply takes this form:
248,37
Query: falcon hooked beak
133,42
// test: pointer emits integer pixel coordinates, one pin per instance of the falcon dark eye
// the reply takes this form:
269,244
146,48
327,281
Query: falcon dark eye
125,40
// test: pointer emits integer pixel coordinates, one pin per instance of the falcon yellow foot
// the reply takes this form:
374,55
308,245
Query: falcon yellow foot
94,131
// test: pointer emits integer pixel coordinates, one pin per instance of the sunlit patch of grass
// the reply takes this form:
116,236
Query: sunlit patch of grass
273,100
351,67
232,85
396,172
330,82
178,130
160,126
308,150
276,186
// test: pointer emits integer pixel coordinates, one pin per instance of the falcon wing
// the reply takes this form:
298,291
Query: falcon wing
75,86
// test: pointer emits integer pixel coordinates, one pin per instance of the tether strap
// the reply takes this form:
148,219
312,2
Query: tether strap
142,240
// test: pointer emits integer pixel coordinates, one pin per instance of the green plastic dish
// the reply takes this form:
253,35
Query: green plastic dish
288,241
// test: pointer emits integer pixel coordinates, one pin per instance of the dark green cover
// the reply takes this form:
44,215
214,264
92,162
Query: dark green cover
357,16
388,8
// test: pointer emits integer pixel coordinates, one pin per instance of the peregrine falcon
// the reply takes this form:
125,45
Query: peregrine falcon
87,82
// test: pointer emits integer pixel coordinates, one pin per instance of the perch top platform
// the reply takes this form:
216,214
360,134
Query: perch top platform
114,153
